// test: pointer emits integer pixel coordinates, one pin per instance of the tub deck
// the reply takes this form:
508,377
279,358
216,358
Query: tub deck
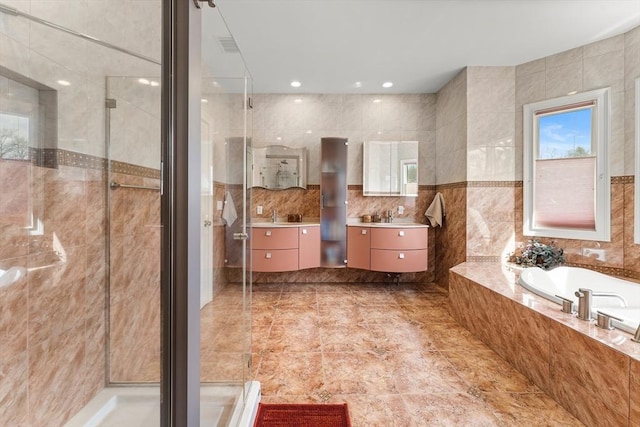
591,372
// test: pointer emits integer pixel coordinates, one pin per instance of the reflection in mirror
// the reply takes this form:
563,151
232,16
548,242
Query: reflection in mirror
636,222
277,167
390,168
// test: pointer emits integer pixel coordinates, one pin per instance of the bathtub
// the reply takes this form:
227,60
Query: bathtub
565,281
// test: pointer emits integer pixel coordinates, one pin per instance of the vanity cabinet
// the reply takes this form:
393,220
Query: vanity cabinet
387,248
284,248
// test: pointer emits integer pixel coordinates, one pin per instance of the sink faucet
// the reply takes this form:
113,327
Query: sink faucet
274,215
389,215
585,298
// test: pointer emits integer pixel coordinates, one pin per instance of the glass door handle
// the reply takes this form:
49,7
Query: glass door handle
240,236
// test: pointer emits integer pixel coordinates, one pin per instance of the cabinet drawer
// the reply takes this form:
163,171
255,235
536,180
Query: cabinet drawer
358,247
398,238
398,261
274,260
274,238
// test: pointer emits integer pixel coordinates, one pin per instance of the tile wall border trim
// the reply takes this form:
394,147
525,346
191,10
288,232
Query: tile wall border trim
55,157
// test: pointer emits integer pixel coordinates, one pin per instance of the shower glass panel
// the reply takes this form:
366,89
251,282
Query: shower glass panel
225,322
133,124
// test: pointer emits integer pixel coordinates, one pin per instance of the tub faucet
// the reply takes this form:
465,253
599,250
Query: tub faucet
585,298
636,337
584,303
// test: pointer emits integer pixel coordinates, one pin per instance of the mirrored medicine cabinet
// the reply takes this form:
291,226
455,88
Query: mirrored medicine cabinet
276,167
390,168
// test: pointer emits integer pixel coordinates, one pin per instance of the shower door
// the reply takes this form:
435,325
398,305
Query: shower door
225,319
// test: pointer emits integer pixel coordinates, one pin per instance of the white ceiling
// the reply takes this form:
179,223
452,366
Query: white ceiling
419,45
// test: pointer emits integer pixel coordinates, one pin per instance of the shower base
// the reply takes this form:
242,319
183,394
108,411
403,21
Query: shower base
220,405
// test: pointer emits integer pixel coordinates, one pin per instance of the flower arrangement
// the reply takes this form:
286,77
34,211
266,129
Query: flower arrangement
536,254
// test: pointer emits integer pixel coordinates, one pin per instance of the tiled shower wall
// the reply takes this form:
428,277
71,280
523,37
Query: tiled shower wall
53,206
52,327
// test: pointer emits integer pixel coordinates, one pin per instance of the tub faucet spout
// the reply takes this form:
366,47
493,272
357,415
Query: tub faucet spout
612,295
585,299
636,337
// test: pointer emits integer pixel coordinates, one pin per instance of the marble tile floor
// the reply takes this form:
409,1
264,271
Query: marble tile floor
392,352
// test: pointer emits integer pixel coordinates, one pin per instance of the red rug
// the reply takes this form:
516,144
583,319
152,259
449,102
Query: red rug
302,415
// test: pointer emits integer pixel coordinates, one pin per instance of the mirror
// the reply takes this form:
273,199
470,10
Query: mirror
390,168
277,167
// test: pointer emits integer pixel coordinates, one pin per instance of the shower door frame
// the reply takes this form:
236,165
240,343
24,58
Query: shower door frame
180,213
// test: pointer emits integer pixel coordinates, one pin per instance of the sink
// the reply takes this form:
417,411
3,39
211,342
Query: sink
266,224
391,224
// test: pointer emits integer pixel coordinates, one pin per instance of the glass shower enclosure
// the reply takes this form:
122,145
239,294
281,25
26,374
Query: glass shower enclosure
80,224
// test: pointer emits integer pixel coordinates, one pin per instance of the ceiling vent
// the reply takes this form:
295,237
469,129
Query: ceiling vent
228,44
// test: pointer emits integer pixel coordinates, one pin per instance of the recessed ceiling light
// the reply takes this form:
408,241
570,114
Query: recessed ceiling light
143,81
64,83
377,101
204,101
296,83
387,84
278,138
298,101
358,84
309,131
154,83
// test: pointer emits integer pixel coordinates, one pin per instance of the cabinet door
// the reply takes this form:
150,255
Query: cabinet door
398,261
333,201
274,238
309,247
274,260
358,244
399,238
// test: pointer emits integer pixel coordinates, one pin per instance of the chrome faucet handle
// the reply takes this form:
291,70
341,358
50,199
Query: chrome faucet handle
567,305
603,320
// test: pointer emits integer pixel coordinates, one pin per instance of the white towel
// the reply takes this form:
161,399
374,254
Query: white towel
435,213
229,213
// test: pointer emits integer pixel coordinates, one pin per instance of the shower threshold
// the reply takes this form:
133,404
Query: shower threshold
220,405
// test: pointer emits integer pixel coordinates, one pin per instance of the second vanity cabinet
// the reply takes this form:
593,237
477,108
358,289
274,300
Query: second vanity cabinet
387,248
285,248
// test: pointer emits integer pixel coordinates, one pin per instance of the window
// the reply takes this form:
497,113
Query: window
566,175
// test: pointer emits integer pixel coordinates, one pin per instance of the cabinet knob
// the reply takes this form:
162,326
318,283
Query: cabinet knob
400,233
304,231
268,255
267,233
363,231
400,255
